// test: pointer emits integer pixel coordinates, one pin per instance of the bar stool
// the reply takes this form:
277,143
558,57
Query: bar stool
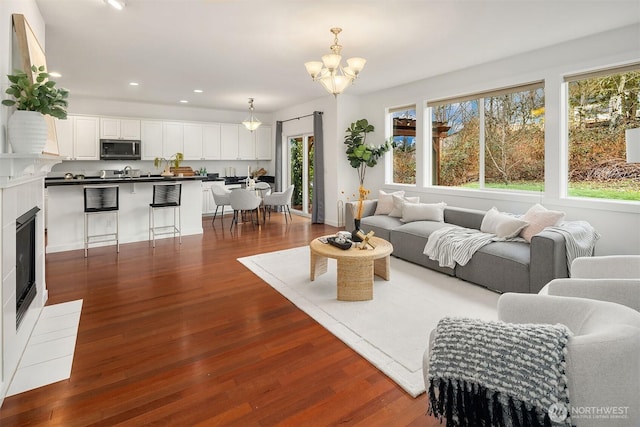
101,199
165,196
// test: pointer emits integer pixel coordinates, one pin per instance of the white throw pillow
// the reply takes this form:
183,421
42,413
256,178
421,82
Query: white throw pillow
385,202
539,218
423,212
398,202
502,225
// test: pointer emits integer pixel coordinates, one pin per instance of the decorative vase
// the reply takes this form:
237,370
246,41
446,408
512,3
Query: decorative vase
354,233
27,131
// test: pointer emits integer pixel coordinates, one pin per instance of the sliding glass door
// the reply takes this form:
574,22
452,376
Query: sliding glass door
301,172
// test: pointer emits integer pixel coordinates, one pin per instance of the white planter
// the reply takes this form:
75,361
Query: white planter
27,132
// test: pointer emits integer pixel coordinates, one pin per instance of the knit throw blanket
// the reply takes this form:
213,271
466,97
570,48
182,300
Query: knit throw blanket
484,373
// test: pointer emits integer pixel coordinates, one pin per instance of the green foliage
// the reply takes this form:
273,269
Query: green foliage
359,153
174,160
297,154
42,95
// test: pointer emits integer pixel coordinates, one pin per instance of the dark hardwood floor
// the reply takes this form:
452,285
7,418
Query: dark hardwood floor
185,335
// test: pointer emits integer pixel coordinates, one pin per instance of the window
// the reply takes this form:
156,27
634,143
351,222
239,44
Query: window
403,126
490,140
601,106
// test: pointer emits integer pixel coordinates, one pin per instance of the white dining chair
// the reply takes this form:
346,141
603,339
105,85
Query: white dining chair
243,200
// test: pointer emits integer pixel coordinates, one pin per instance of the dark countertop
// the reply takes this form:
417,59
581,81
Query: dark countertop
97,180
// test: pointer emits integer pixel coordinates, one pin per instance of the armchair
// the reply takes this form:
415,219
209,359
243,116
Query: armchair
606,278
602,355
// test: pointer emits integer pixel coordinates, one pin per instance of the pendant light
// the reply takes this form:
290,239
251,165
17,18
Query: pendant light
252,123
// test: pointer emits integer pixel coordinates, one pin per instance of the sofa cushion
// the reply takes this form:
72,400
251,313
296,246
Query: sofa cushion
398,203
380,225
423,212
385,202
501,266
504,226
539,218
467,218
410,239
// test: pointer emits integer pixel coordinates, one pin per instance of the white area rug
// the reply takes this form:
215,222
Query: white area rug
49,353
392,330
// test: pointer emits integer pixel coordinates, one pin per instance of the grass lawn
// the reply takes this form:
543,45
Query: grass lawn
624,189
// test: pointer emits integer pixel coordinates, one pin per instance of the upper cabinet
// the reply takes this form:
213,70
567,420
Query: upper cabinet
111,128
238,143
192,141
172,138
264,146
78,137
151,139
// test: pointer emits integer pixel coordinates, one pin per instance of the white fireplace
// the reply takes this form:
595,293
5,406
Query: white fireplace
21,192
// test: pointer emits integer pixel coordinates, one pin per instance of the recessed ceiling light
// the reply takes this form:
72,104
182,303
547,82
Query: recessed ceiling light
54,74
116,4
197,90
134,84
183,101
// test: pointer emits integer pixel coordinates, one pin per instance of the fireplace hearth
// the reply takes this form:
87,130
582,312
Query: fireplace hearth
26,288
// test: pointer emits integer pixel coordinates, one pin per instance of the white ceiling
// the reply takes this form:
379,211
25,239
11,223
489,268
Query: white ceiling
236,49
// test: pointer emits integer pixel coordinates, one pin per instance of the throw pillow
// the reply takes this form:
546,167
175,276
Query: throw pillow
398,202
502,225
385,202
423,212
539,218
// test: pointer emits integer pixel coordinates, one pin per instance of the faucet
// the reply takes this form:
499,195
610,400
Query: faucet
127,170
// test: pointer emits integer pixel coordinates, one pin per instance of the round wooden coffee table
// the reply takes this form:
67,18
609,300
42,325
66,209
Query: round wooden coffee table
356,267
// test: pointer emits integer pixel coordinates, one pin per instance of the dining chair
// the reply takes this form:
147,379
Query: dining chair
280,199
222,198
243,200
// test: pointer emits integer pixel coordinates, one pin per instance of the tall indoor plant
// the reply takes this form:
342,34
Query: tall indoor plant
361,156
33,99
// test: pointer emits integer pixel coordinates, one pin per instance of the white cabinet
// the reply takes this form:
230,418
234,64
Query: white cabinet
246,145
229,142
78,137
211,142
192,141
64,134
172,139
85,132
264,148
238,143
119,128
151,139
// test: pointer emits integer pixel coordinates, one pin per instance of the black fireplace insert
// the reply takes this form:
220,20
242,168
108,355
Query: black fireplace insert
26,288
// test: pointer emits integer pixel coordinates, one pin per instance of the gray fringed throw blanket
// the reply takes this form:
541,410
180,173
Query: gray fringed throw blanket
485,373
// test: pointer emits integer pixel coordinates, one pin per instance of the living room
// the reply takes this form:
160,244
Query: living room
616,221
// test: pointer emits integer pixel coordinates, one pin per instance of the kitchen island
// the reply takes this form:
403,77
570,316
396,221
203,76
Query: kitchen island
65,210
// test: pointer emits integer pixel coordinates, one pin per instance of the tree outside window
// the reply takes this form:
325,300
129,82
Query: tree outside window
507,126
601,106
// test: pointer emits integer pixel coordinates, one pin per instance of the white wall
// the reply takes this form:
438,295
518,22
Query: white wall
618,222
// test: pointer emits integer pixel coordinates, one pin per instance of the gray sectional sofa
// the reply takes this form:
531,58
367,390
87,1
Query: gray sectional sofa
503,266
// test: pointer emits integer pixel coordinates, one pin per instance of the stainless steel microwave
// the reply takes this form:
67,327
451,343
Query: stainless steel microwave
119,149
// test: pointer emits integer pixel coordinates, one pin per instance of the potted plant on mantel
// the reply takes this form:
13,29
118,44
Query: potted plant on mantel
174,161
27,128
360,156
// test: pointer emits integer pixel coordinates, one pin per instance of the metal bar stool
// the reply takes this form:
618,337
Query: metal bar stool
101,199
165,196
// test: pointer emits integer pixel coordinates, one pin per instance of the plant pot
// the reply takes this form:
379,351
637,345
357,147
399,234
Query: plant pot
27,131
167,171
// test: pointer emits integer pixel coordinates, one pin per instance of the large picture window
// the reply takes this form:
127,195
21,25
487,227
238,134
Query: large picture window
403,127
601,106
490,140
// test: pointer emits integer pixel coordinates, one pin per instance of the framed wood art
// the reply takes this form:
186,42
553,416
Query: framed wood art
31,53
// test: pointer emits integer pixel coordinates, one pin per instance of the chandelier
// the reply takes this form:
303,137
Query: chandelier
334,77
252,123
